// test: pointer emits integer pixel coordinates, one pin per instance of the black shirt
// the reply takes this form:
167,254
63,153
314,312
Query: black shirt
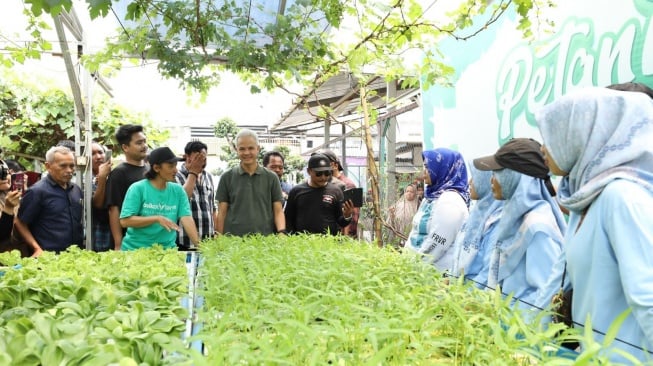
315,210
119,181
6,225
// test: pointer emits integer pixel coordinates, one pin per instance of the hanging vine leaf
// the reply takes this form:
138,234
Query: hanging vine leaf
33,118
193,39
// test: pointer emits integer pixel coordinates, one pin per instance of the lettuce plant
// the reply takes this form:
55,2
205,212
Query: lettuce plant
88,308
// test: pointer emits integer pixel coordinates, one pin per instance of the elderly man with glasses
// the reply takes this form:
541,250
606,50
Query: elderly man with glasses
317,205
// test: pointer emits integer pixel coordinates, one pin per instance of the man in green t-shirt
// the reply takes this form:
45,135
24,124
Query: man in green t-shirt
249,195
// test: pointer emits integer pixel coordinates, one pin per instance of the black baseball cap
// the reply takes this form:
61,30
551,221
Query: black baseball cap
522,155
162,155
519,154
332,157
319,163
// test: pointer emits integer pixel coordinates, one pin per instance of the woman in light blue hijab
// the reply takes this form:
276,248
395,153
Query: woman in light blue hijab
601,142
530,231
476,238
443,210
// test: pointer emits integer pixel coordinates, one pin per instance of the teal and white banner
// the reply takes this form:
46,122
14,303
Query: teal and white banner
501,80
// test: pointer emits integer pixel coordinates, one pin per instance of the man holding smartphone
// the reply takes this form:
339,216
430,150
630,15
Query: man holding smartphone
339,176
316,206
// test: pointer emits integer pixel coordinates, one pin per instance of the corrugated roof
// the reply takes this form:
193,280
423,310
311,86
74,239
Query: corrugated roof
259,12
341,94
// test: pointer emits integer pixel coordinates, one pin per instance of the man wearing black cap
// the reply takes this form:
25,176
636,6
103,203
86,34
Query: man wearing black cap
341,180
316,206
335,165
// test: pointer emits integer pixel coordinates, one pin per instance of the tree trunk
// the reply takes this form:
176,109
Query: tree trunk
372,168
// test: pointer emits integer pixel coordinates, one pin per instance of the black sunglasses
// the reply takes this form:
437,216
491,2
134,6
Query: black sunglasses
326,172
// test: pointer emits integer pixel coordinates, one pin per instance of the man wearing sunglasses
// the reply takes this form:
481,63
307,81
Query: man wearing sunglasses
316,206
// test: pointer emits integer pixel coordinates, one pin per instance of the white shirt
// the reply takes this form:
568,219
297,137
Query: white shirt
435,226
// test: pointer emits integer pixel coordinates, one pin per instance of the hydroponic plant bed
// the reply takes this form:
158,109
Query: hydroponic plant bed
316,300
86,308
300,300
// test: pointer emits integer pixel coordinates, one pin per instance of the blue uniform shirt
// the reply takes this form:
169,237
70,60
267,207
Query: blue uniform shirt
610,265
53,214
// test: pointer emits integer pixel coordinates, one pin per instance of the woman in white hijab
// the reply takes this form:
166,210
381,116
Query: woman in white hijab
601,142
401,213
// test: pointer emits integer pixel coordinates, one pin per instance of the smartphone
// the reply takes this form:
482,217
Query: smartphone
107,155
32,177
18,182
355,195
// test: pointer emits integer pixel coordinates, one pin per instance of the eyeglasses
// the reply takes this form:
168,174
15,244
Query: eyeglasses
326,172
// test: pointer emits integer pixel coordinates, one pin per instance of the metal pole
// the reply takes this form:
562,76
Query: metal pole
343,150
88,153
391,138
327,131
82,122
70,69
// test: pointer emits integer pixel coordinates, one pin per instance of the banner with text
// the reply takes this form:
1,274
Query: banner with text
501,80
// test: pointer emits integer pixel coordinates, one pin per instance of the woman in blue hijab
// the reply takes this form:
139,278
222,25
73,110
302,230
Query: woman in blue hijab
444,208
476,238
530,231
600,141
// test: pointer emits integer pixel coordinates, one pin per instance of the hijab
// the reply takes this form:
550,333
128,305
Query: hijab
468,241
523,194
447,171
598,135
404,210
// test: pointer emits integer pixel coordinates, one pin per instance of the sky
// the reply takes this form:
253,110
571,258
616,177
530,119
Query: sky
141,88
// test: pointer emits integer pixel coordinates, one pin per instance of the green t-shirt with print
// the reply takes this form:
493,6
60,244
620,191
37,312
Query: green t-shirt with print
143,199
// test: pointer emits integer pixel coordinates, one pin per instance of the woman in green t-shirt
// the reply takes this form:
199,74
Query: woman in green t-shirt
154,206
